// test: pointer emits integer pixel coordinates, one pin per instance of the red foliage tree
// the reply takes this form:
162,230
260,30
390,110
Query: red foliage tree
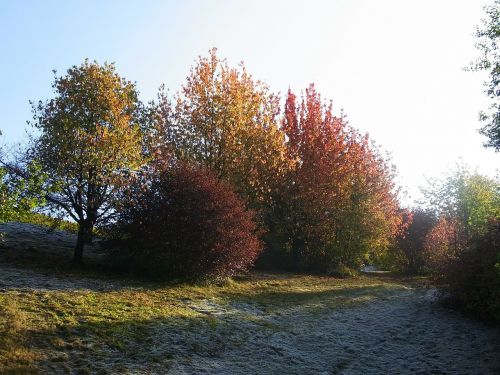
443,244
342,199
181,221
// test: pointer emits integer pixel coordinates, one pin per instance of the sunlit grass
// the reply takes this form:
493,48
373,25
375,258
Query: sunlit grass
49,222
45,328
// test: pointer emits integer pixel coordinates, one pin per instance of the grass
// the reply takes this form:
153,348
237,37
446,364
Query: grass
49,222
62,319
66,331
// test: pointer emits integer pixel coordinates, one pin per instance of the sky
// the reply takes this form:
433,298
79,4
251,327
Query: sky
395,67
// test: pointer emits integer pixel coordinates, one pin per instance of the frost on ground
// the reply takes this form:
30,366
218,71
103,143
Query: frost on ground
399,331
402,334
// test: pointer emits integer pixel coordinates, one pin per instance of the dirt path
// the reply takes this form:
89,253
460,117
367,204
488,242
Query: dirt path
402,332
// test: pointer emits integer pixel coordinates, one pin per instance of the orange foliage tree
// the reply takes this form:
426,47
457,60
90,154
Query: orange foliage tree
89,138
226,121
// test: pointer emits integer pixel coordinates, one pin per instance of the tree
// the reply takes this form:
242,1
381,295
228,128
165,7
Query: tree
89,140
465,203
316,144
473,278
488,35
468,197
20,193
341,192
226,121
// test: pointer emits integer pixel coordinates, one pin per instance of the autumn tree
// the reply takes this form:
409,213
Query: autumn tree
88,139
226,121
309,127
343,200
488,35
466,203
462,250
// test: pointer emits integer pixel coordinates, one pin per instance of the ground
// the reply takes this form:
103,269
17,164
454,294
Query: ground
57,320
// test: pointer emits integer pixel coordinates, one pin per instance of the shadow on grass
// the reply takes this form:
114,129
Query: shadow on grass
115,347
98,342
52,271
274,300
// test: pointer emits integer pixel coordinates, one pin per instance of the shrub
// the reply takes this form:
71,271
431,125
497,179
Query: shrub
181,221
443,244
473,278
407,253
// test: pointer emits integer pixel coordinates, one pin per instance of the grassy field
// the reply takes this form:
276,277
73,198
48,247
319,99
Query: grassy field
66,329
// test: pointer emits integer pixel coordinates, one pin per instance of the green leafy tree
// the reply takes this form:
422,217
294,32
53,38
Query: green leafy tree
470,198
89,140
488,35
20,193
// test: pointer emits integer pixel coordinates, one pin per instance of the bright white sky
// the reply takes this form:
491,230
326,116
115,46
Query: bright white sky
395,67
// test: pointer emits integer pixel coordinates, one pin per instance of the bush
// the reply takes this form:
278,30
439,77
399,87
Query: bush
473,278
443,244
182,221
407,253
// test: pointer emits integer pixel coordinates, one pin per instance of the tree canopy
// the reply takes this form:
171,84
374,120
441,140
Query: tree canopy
324,194
468,197
488,36
225,120
89,139
341,193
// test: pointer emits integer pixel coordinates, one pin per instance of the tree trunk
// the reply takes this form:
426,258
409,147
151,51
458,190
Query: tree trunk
297,248
85,229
